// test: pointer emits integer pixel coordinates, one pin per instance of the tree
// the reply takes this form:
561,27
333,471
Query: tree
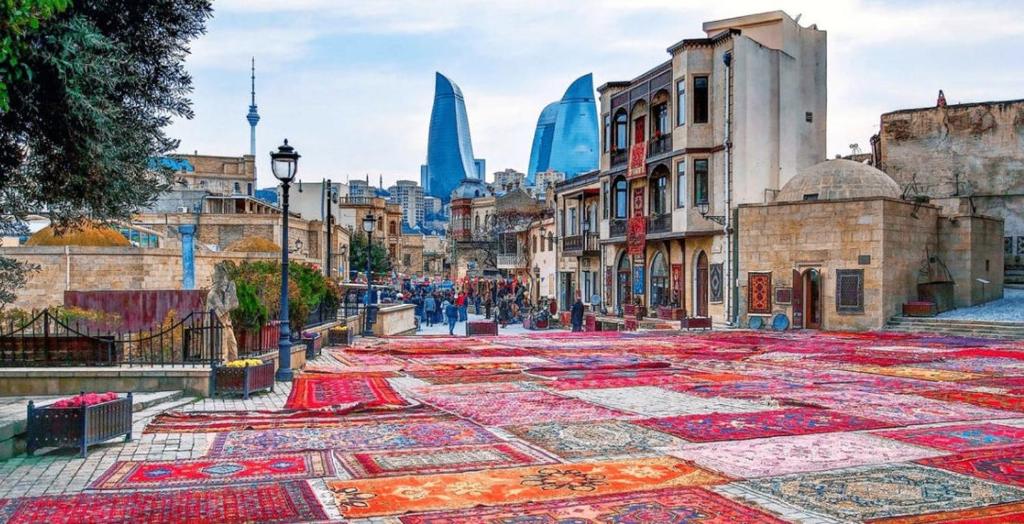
84,121
380,261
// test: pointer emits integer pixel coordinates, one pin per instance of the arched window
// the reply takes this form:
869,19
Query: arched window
623,277
238,188
659,281
393,228
659,192
476,222
621,199
621,130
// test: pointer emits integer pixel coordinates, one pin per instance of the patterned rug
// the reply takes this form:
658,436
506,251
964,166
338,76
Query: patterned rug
220,421
397,495
213,472
422,432
914,372
324,390
988,400
658,402
999,514
873,492
291,501
663,506
1004,465
449,459
609,438
528,407
738,426
961,437
799,454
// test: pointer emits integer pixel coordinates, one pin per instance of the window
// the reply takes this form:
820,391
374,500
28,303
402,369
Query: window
551,241
661,119
681,184
850,290
607,132
238,188
407,260
621,130
681,103
811,197
535,243
604,199
700,180
248,188
659,281
621,199
573,222
659,195
700,100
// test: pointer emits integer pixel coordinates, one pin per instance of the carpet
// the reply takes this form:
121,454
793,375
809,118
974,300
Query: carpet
913,372
988,400
873,492
214,472
291,501
424,432
451,491
470,376
220,421
449,459
500,409
738,426
798,454
657,402
998,514
961,437
645,379
608,438
324,391
1004,465
899,409
663,506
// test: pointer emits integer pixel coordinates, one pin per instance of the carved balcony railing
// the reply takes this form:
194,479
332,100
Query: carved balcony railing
619,156
659,223
660,145
617,228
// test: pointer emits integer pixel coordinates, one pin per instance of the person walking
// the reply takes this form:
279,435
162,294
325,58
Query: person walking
445,302
429,308
452,312
576,315
460,303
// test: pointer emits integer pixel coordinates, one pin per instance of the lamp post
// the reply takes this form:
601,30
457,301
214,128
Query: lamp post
284,163
704,207
332,199
369,223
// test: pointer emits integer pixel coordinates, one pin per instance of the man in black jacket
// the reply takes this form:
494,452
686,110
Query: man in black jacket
576,315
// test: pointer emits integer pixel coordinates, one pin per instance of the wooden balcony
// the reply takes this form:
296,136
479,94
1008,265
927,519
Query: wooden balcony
660,145
580,245
617,228
619,156
659,223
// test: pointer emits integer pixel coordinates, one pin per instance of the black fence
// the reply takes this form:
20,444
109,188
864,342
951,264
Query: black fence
321,314
48,339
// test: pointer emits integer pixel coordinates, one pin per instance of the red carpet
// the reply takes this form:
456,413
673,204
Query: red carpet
322,391
216,471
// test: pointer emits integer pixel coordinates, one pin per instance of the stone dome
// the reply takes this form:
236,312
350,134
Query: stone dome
838,179
87,234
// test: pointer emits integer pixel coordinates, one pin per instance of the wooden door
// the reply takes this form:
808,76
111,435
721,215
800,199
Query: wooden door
702,285
798,300
812,304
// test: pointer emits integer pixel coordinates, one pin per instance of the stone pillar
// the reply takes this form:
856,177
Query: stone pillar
188,256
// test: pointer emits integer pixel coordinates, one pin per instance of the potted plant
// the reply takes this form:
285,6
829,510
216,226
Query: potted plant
244,376
339,336
79,421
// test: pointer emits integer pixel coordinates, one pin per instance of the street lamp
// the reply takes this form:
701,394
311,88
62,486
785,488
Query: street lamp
284,163
369,223
703,207
332,200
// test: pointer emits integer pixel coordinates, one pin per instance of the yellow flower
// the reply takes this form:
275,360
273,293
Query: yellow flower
241,363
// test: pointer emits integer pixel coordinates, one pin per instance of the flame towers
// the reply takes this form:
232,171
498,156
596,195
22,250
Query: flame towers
566,139
449,145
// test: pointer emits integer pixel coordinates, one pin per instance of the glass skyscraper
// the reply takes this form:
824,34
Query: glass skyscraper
449,145
566,139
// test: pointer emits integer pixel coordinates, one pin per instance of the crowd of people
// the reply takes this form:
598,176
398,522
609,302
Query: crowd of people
504,304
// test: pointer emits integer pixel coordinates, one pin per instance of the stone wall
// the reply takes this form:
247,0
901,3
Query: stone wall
909,239
972,249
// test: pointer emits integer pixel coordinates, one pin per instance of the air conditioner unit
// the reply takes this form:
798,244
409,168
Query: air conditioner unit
183,209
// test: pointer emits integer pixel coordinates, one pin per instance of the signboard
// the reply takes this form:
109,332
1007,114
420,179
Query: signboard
638,280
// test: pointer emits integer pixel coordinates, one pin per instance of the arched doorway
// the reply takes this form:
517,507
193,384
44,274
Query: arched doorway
659,281
807,299
700,285
623,278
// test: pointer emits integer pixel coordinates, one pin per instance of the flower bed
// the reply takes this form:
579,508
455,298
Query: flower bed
243,376
339,336
80,421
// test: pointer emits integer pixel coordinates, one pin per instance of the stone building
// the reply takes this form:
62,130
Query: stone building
966,158
839,249
219,175
726,120
579,263
389,221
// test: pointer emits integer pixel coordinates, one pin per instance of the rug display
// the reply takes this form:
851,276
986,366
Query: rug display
213,472
960,437
398,495
978,398
291,501
998,514
451,459
325,390
609,438
656,402
738,426
500,409
1003,465
663,506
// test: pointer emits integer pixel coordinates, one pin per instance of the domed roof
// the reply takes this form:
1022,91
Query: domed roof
87,234
837,179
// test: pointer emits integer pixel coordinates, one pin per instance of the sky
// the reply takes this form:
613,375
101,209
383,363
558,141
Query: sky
350,83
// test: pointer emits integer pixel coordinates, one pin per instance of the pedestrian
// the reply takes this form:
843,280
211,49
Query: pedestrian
444,309
451,310
429,306
576,315
460,303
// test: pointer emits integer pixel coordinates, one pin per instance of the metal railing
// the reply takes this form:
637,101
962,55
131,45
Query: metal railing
660,145
619,156
48,339
617,227
580,243
511,261
321,314
256,342
659,223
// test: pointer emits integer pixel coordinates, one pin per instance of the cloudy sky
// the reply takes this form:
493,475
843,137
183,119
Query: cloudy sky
350,83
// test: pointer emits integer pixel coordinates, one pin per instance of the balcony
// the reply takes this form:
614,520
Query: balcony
511,261
660,145
659,223
619,156
617,227
580,245
356,200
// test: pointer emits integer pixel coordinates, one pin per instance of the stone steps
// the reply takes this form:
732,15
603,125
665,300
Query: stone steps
964,328
14,415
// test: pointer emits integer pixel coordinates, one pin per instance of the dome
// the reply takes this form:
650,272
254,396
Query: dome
837,179
95,235
254,245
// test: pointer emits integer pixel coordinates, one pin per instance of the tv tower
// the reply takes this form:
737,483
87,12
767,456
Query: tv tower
253,117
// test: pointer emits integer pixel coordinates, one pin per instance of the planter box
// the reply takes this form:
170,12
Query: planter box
481,328
589,322
670,313
695,323
635,311
920,309
631,323
314,345
79,427
243,380
339,336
